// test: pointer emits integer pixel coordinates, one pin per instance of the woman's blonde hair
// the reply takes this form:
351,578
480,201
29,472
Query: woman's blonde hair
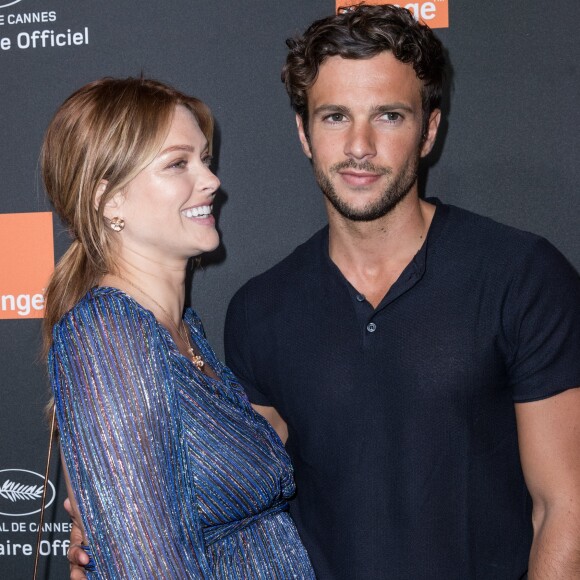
105,132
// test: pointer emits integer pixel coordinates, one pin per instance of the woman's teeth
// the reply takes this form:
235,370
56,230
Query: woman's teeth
201,211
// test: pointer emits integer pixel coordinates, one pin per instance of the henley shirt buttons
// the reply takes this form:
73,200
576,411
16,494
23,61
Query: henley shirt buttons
371,326
360,297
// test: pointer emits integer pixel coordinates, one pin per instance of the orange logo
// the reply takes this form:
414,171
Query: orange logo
26,263
433,13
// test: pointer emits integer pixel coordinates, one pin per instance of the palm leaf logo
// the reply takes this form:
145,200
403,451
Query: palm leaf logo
16,492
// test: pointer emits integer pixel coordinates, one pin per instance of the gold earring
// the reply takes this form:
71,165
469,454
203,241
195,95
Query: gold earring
117,224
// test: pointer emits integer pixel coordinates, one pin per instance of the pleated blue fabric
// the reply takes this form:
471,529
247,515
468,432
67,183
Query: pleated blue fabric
175,475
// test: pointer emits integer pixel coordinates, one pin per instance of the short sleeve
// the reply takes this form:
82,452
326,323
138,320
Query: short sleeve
238,348
542,320
121,437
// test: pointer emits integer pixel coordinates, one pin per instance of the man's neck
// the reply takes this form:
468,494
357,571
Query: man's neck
372,255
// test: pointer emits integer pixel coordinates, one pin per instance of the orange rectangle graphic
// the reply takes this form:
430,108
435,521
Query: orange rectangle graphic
26,263
434,13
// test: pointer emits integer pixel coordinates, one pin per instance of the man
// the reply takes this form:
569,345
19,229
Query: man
422,361
393,345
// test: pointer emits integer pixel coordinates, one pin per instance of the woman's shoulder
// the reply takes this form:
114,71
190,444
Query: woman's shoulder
105,306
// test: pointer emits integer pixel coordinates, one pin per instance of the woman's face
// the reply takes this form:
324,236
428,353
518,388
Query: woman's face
167,207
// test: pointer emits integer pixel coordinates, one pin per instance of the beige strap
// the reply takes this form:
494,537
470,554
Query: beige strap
44,490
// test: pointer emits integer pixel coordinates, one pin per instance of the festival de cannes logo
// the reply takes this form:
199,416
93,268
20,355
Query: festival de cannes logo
21,492
9,3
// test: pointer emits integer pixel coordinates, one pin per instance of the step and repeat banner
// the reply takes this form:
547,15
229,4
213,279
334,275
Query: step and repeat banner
508,149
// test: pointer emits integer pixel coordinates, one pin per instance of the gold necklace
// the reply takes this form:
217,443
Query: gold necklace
196,359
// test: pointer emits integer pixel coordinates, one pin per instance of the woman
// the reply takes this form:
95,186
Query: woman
174,474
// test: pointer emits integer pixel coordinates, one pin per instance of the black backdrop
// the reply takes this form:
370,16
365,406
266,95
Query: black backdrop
509,149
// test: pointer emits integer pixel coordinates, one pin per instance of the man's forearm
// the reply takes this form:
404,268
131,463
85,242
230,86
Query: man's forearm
555,553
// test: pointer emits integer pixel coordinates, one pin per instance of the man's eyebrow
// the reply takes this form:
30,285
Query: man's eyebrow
329,108
390,107
377,110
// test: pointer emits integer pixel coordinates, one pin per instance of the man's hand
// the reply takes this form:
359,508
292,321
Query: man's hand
275,419
77,557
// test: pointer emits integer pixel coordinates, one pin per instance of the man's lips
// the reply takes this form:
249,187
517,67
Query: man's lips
359,178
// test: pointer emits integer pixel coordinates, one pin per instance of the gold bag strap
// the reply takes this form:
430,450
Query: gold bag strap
44,490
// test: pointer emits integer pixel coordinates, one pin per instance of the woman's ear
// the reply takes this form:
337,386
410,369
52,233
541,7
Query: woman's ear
113,204
101,188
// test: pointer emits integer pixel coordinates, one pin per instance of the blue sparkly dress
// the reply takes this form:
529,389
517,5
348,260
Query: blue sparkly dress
175,475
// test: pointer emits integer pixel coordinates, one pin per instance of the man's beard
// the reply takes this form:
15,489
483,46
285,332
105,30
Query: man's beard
396,190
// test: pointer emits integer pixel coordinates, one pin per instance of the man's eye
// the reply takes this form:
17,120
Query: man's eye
392,116
335,118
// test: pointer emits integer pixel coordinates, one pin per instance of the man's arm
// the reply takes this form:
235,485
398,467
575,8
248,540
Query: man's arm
240,358
549,441
274,418
76,555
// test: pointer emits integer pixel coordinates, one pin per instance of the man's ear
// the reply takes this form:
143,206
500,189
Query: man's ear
302,134
431,133
113,204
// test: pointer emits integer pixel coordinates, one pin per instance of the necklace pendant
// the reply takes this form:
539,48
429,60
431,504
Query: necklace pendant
196,359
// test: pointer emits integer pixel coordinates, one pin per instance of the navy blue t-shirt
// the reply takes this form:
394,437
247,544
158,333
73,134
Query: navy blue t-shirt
401,418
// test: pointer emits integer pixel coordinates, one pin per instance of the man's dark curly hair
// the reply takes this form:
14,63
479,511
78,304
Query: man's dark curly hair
361,32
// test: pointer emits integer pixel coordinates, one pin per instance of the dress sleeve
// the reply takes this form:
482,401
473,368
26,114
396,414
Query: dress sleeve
542,319
238,350
122,440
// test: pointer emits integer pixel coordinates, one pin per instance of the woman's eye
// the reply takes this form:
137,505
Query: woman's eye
178,164
207,160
